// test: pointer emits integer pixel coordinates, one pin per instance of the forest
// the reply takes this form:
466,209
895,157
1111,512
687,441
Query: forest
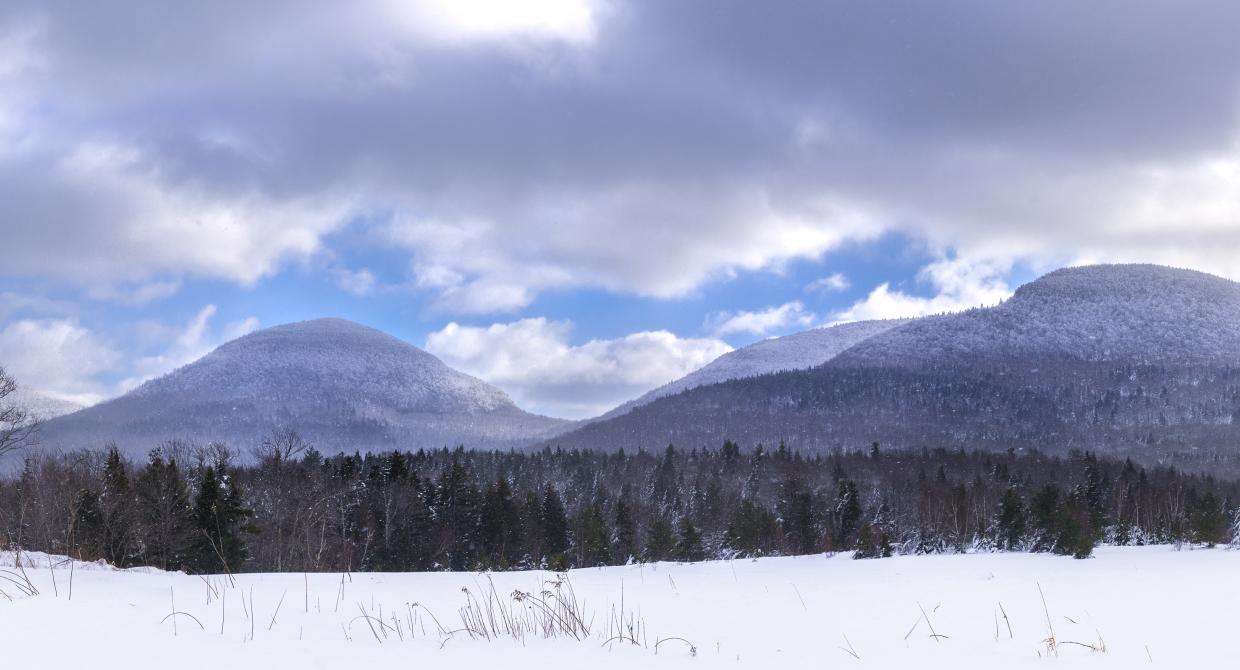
286,507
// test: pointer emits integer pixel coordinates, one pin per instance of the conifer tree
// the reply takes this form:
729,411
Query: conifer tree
554,525
625,538
116,509
219,523
457,508
1011,521
500,526
660,541
164,513
689,544
847,512
1209,520
591,539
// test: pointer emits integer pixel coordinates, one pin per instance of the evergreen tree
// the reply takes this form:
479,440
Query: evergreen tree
554,524
625,541
219,523
1209,520
500,527
660,541
847,512
689,545
116,508
1011,521
796,517
1045,515
457,507
164,513
753,530
591,539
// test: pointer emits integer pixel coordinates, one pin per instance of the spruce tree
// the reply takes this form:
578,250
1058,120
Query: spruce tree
116,506
554,525
689,545
1011,521
164,513
500,526
625,542
1209,520
660,541
219,523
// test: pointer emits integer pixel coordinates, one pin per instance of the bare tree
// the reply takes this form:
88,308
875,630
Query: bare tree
282,447
17,426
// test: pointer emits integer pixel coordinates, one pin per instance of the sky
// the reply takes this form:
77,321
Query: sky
580,200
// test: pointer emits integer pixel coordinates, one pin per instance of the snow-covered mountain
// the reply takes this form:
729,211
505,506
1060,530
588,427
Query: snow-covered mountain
39,405
791,352
342,385
1142,313
1128,359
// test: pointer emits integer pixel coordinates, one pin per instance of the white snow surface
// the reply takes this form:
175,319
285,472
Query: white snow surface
799,351
1146,606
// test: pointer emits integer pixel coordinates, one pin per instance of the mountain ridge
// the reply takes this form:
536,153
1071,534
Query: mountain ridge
1128,359
341,384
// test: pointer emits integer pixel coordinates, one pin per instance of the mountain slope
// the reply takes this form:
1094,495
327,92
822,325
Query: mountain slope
791,352
342,385
39,405
1145,313
1136,360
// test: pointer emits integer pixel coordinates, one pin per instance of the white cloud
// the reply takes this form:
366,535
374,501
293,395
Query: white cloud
471,20
182,345
650,240
139,294
533,360
358,282
58,357
772,319
958,283
832,283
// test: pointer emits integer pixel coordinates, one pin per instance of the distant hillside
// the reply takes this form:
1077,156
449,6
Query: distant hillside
342,385
39,405
791,352
1133,360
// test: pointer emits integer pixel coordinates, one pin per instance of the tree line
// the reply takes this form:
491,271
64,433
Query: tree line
291,508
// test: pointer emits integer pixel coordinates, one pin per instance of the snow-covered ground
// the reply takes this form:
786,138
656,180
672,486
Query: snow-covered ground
1143,606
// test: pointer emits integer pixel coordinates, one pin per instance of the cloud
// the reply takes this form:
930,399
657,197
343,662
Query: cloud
533,360
772,319
832,283
139,294
470,20
181,345
59,357
358,282
630,146
958,284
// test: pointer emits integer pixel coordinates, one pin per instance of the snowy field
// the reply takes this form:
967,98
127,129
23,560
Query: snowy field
1128,607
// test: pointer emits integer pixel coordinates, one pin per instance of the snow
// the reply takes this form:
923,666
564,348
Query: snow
1146,605
798,351
341,384
39,405
1140,313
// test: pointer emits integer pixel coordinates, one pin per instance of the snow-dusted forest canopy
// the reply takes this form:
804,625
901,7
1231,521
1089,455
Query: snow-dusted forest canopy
297,510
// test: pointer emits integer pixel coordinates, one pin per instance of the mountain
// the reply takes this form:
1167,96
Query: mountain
343,386
791,352
1133,360
39,405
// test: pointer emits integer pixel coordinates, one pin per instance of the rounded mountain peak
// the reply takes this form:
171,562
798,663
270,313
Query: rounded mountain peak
330,356
1142,313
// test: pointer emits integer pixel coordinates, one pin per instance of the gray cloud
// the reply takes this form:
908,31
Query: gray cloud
660,147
